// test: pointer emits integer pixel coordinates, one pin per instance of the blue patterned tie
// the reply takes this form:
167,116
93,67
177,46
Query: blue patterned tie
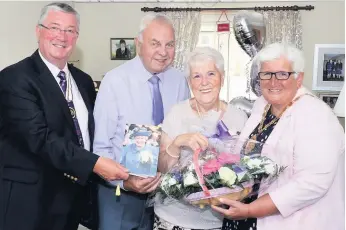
70,104
157,100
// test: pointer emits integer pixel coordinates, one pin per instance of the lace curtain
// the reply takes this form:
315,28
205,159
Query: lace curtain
283,26
187,26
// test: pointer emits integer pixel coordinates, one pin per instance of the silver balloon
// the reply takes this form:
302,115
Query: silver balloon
243,104
250,31
254,81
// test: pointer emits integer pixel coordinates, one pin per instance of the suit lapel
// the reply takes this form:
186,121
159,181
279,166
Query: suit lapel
48,80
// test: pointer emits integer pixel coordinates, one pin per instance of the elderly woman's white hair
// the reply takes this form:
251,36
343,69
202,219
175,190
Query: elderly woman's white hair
202,55
279,50
150,17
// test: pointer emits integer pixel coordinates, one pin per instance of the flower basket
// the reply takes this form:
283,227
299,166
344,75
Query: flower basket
227,169
215,195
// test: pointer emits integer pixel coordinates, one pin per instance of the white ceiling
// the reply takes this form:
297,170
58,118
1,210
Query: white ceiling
202,1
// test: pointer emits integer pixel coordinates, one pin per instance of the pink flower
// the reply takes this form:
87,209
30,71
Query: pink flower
222,159
211,166
228,158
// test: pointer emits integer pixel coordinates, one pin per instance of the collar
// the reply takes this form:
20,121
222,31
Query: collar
142,74
302,90
262,102
52,68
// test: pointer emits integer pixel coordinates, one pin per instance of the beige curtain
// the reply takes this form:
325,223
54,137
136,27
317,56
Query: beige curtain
283,26
187,26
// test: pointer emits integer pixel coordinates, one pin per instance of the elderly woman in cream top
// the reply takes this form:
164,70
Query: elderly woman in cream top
307,138
185,126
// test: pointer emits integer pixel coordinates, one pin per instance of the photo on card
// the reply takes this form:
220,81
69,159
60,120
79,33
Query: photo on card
140,151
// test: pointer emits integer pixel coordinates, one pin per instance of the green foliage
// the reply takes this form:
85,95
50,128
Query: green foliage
248,169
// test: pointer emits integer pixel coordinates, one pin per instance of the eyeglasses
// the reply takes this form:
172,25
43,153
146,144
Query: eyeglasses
281,75
56,30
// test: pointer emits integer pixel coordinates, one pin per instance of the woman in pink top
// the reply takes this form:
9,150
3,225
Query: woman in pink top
307,138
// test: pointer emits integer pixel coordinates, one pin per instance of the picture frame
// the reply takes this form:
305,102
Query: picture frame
329,98
122,48
329,67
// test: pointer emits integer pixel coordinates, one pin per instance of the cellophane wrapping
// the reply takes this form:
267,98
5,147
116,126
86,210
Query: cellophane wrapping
232,168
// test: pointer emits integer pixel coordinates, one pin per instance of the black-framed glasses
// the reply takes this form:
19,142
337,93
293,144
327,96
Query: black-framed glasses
280,75
57,30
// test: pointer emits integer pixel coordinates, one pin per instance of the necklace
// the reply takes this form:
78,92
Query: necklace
252,143
199,113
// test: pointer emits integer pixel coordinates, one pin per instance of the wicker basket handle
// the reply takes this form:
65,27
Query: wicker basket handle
199,173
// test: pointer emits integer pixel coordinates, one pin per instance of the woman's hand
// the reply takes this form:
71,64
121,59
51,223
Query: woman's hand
236,210
192,140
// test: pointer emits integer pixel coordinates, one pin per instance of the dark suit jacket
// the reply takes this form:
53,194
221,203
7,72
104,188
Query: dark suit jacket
125,55
42,168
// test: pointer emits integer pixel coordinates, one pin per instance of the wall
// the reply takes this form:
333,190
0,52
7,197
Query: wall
101,21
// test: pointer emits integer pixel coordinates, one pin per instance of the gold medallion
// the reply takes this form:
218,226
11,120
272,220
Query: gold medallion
73,112
251,143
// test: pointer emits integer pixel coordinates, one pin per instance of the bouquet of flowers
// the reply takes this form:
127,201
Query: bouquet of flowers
228,168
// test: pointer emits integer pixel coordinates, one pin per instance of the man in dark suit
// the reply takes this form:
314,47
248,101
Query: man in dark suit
46,132
123,52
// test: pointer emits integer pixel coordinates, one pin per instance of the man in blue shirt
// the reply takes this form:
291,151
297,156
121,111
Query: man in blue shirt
127,96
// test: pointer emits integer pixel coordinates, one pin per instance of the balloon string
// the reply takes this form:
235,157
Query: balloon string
247,72
228,75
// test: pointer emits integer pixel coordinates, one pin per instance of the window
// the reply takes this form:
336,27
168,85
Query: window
237,62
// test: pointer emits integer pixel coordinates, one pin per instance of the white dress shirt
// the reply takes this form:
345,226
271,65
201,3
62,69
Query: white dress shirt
81,109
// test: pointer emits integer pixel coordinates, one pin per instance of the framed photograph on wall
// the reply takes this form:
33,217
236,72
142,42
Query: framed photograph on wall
122,48
329,98
329,67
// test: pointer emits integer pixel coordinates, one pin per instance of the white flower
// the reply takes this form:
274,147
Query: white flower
227,175
190,179
254,163
191,167
269,169
246,158
146,156
172,181
165,180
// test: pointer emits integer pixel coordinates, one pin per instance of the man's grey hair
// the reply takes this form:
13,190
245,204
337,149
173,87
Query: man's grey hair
203,55
281,50
149,18
58,6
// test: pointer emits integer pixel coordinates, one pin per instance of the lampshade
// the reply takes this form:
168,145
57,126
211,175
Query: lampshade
339,108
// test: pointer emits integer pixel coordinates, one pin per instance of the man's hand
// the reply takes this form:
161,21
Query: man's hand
142,185
110,170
